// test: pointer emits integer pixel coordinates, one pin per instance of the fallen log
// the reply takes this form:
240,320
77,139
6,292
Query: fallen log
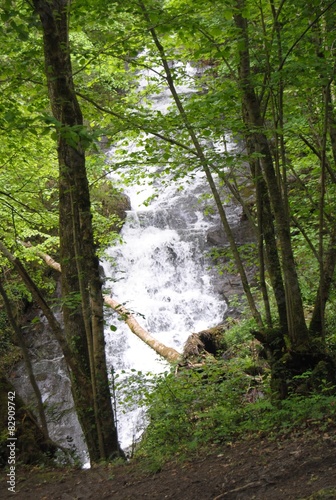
168,353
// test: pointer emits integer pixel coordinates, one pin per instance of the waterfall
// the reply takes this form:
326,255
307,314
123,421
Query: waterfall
161,272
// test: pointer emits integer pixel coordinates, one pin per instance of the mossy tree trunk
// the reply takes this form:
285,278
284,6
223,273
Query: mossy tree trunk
81,285
297,329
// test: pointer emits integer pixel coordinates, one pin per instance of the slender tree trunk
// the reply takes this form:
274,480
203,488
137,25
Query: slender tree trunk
329,264
267,232
201,156
297,329
25,353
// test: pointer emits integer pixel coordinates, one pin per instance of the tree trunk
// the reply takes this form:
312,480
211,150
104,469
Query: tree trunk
267,231
297,329
81,287
329,264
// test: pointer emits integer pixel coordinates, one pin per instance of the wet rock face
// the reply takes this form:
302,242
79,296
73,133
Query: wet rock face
225,277
242,231
53,380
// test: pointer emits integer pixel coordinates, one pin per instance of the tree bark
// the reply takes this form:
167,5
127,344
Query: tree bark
329,264
267,232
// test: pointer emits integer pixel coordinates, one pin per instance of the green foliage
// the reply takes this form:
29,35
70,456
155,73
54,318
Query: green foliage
194,410
72,300
224,260
239,333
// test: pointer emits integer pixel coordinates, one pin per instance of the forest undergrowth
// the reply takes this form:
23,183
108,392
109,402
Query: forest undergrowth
191,410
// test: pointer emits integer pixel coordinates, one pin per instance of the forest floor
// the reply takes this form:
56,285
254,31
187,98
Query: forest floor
299,466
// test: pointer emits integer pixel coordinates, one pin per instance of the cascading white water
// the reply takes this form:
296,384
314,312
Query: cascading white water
161,270
161,273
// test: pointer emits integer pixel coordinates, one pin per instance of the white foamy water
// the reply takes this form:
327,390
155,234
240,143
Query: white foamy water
160,274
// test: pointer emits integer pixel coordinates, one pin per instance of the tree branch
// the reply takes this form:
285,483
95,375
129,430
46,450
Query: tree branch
303,34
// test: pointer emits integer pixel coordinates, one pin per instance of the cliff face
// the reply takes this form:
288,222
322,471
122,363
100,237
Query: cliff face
226,280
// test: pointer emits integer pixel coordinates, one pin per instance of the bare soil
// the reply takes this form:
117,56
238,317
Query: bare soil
296,467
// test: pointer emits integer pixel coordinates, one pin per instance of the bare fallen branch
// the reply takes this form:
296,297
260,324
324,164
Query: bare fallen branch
168,353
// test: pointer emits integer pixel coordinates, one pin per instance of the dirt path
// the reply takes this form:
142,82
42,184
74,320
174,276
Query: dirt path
299,467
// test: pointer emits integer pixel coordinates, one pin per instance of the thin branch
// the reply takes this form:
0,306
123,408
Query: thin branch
24,205
306,237
145,129
318,154
217,45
